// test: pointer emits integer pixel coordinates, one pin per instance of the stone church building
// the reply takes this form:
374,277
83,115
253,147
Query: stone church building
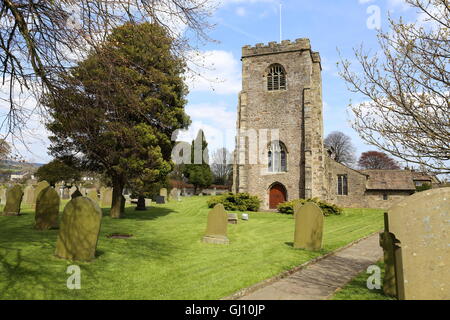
280,124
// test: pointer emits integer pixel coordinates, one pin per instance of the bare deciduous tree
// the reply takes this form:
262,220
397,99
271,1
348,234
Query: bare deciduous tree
343,149
408,88
39,39
221,165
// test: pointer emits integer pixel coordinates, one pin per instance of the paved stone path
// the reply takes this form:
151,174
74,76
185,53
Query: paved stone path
320,280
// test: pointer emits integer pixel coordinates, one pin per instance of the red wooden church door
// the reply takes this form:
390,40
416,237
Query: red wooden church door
277,195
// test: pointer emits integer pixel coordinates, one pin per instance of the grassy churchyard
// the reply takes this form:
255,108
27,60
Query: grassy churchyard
165,258
357,289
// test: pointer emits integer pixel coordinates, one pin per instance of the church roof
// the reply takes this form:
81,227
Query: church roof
389,180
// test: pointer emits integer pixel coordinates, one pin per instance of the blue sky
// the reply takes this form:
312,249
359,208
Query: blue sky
329,24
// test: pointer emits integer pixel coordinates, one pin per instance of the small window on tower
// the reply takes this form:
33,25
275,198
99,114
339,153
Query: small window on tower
276,78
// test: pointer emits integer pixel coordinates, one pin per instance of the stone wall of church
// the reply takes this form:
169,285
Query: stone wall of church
356,183
375,198
286,110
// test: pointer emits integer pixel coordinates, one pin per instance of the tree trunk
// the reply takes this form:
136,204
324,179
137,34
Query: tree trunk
117,205
141,204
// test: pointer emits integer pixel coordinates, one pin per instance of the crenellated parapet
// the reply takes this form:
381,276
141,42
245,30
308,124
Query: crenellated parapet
302,44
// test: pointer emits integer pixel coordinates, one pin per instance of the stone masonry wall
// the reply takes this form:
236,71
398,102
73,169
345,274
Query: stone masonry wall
285,110
356,185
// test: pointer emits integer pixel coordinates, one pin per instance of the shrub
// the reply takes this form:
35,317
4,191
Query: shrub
327,208
423,187
236,202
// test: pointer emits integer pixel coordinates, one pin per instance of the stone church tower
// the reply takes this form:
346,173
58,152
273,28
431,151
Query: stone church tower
280,124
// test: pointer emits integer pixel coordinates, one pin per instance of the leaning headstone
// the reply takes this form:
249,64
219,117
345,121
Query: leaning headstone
47,209
420,225
308,226
79,230
106,196
245,216
14,197
232,218
28,195
216,230
92,194
76,194
40,186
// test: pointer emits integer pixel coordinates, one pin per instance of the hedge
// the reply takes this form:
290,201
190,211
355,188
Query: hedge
236,202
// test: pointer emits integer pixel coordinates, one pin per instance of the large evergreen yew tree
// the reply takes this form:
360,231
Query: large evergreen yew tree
117,109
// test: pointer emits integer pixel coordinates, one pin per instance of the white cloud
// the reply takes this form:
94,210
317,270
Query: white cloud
240,11
225,2
214,71
401,4
29,135
217,121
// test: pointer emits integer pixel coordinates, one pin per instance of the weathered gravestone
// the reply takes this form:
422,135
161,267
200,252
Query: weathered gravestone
163,193
232,218
127,198
28,195
416,246
106,196
79,230
40,186
14,197
76,194
160,200
390,252
216,230
173,193
65,194
72,191
92,194
2,195
47,209
308,226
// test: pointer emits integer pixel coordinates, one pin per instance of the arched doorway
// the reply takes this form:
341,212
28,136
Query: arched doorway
277,195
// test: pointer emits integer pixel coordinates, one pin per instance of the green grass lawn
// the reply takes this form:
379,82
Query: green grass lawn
357,289
166,258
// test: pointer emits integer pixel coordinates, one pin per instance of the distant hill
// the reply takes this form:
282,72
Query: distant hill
15,166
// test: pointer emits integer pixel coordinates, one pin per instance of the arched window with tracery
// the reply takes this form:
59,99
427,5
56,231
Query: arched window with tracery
277,156
276,78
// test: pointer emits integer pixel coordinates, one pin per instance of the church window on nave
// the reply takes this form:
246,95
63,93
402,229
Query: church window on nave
276,78
342,185
277,157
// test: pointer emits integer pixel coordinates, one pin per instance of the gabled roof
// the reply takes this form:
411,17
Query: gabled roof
389,180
